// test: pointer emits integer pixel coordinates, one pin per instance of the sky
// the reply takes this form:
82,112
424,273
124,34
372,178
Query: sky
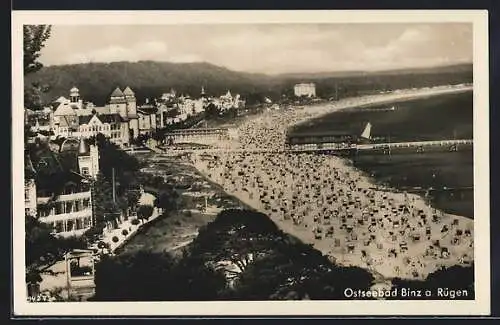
267,48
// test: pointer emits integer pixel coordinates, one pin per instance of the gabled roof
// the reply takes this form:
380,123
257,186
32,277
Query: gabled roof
67,121
61,99
64,109
117,93
128,92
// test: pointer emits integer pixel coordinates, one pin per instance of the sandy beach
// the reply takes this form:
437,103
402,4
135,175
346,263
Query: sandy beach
324,201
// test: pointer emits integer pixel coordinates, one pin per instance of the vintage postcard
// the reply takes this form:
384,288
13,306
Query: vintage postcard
215,163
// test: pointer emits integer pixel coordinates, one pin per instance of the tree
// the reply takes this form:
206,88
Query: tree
105,209
34,38
143,276
238,236
44,248
133,197
167,198
196,281
294,270
112,157
156,277
144,211
212,111
453,278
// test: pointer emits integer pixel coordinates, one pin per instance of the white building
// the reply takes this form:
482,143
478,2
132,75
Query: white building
118,120
88,159
70,211
29,187
147,118
112,126
305,89
125,104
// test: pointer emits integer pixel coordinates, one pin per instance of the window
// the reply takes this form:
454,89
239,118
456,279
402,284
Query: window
86,222
69,207
70,225
26,194
59,208
59,226
78,207
85,170
26,211
86,203
79,224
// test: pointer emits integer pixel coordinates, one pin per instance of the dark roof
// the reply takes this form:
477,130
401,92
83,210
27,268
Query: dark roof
110,118
43,159
104,118
147,109
85,119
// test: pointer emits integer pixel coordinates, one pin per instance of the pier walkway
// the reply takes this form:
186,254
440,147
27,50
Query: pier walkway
332,147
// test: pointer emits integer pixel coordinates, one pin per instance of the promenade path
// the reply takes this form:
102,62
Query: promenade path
322,148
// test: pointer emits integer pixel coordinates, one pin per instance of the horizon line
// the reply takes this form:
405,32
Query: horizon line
268,74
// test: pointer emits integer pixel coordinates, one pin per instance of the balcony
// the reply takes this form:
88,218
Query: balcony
67,216
66,197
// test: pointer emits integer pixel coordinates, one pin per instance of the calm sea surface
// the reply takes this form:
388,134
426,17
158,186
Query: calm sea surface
446,177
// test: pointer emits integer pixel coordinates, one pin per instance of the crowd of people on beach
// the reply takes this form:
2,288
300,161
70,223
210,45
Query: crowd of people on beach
323,200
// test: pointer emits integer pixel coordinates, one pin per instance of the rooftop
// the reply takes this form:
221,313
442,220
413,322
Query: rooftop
128,92
64,109
83,148
117,93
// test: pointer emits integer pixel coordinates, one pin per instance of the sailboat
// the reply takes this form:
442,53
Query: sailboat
366,134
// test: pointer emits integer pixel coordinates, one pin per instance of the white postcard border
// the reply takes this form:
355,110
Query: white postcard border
480,306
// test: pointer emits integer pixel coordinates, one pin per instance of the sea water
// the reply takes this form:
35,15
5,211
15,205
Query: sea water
445,178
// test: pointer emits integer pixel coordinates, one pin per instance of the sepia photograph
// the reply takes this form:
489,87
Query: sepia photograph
251,163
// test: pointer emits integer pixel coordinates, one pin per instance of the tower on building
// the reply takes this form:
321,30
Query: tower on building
88,159
118,103
131,103
74,95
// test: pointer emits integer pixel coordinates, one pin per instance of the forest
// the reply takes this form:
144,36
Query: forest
149,79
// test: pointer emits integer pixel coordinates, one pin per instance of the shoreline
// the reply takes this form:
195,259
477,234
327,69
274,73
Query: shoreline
397,96
341,165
